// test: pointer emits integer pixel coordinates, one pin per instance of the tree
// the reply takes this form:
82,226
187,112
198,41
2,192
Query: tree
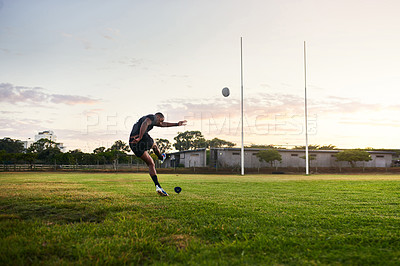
353,156
218,143
99,150
11,145
41,145
4,156
316,147
269,156
310,147
164,145
30,157
117,151
189,140
199,143
46,150
78,157
154,157
119,145
256,146
327,147
49,154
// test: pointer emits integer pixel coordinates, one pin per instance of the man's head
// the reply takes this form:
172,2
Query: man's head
159,117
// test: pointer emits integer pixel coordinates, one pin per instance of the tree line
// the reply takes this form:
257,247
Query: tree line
45,151
352,156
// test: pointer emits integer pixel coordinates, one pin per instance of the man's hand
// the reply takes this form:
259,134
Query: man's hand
182,123
136,139
168,124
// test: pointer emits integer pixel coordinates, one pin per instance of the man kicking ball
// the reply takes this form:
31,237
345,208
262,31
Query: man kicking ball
140,142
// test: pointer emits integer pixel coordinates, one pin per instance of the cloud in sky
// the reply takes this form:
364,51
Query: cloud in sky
110,33
7,51
375,123
24,128
36,95
130,61
12,127
276,115
265,103
86,43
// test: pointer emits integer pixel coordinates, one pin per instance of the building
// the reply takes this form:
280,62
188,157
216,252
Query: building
27,143
189,158
230,157
47,134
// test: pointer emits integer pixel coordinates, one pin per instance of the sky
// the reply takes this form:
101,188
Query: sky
89,69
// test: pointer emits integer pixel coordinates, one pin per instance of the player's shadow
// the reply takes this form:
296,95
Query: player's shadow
59,213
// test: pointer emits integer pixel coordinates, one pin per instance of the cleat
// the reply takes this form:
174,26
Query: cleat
162,157
161,191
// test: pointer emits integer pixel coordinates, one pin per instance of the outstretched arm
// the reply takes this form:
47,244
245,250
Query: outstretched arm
168,124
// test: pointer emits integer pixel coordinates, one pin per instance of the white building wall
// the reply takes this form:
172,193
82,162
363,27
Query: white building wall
47,134
195,158
230,157
192,159
296,158
27,143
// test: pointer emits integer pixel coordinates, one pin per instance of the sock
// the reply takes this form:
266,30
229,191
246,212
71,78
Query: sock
155,180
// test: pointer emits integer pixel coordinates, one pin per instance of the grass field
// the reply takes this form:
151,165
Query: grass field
83,218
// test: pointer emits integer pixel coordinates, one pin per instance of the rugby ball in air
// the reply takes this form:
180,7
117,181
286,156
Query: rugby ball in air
225,92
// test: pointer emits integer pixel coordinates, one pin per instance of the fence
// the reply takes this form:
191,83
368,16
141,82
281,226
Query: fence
65,167
144,168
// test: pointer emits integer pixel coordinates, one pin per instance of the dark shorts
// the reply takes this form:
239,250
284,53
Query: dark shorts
143,145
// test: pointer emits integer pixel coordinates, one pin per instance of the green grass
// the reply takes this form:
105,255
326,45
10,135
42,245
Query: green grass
82,218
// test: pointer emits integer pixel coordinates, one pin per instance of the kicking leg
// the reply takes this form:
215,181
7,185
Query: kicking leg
153,173
157,151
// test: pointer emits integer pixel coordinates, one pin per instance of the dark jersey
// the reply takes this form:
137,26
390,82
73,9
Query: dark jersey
136,127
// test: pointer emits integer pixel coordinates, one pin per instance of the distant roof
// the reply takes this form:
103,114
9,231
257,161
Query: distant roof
178,152
296,150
